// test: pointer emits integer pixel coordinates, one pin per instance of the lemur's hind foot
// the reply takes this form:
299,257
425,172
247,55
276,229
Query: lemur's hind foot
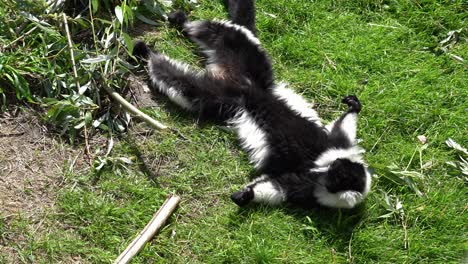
177,19
353,103
141,51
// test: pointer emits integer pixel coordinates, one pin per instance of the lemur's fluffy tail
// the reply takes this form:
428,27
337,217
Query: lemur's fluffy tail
141,51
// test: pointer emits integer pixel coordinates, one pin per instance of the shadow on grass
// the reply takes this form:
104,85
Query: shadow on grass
336,226
142,159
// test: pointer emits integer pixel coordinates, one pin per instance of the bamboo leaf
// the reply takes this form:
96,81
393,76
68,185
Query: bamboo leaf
119,14
452,144
128,42
80,125
88,118
95,5
97,59
146,20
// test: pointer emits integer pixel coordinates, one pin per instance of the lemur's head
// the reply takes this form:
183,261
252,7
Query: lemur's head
346,181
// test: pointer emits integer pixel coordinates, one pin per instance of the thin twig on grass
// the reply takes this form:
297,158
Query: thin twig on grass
158,220
378,140
405,229
179,134
350,250
456,57
77,82
378,25
21,37
411,159
12,135
70,47
88,153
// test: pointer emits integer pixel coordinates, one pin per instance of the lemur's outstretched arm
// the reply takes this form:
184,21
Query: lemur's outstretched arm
233,51
342,132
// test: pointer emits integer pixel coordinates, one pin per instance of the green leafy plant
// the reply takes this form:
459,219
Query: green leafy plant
414,180
37,65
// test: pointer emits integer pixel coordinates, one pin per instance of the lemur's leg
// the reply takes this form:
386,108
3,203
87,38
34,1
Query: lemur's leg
235,54
342,132
296,103
242,12
260,190
191,89
233,51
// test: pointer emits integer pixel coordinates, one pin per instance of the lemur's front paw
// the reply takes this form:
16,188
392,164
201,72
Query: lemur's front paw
243,197
353,103
177,18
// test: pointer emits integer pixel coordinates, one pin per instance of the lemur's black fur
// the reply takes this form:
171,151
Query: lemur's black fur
301,161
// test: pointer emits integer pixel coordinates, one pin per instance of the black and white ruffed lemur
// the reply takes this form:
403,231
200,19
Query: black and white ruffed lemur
301,161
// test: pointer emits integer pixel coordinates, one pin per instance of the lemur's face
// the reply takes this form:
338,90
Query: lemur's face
346,175
346,182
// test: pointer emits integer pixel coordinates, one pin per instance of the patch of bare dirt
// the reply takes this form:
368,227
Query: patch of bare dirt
32,164
139,92
143,29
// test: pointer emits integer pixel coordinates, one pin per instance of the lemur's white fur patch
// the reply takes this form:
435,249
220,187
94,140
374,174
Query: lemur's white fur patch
368,183
330,126
349,126
263,177
319,169
211,58
345,199
266,192
172,93
252,137
193,27
250,36
353,154
296,103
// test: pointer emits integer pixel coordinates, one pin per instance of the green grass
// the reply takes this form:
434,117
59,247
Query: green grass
387,53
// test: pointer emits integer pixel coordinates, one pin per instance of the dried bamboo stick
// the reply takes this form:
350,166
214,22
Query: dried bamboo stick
150,230
132,109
